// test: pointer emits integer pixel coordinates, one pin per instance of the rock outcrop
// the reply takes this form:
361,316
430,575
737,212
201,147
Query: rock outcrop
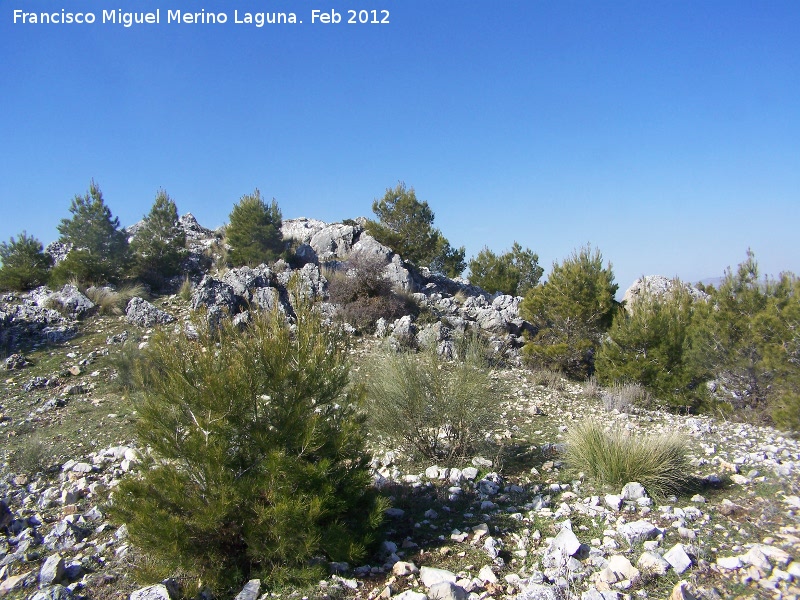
657,286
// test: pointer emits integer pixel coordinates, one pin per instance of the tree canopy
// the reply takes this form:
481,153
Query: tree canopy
159,245
406,226
513,272
25,265
571,311
100,252
254,231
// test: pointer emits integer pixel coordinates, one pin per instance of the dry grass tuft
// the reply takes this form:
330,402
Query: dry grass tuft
613,458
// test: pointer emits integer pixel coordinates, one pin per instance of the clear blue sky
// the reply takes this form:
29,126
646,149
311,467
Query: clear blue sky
665,133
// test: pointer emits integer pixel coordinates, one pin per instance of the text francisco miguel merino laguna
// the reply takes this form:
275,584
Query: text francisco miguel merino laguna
128,19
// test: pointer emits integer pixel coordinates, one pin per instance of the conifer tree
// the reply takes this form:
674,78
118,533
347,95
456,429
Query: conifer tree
100,252
646,344
513,272
746,338
260,460
25,265
159,246
406,226
571,311
254,232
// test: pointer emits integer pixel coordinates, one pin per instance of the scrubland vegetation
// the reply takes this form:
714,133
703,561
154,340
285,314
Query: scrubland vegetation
261,435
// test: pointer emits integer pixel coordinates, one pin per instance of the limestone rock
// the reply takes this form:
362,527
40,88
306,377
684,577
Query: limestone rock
682,591
152,592
250,590
70,301
650,562
678,558
657,286
52,571
446,590
143,314
402,568
633,491
638,531
430,576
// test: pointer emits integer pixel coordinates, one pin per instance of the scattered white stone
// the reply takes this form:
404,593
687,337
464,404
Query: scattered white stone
486,575
480,531
250,590
52,570
730,563
469,473
638,531
756,558
402,568
633,491
775,554
430,576
613,501
678,558
446,590
410,595
621,566
153,592
651,562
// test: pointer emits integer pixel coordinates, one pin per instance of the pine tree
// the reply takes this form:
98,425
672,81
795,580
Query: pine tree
25,265
406,226
159,245
571,311
645,345
254,232
259,442
100,252
513,272
746,339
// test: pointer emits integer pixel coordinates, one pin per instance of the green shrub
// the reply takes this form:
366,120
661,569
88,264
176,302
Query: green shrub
160,244
571,311
259,454
100,252
614,458
430,407
25,265
406,226
513,272
746,339
645,345
254,232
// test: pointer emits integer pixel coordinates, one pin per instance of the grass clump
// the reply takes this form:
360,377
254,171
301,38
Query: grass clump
111,301
548,378
431,407
614,458
186,289
31,456
625,397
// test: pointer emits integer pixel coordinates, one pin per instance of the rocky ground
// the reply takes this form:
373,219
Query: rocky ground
518,524
515,523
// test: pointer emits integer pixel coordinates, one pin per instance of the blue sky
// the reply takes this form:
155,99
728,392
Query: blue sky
665,133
